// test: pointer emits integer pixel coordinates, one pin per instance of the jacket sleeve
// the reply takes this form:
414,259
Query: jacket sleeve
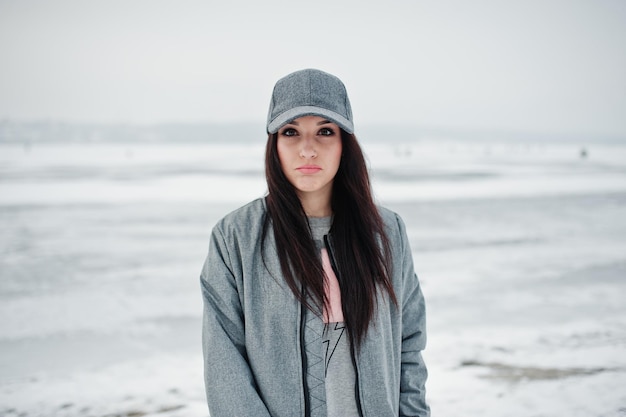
229,382
413,371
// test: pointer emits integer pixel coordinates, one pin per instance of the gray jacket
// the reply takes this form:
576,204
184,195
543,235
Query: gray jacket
254,334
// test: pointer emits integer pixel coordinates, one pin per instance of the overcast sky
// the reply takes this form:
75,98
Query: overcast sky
544,66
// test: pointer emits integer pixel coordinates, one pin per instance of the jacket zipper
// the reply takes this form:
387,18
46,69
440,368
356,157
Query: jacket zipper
356,385
333,265
305,387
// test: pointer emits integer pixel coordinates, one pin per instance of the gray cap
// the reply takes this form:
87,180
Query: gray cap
309,92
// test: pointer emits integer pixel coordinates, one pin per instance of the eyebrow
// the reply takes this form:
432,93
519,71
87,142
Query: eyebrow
323,122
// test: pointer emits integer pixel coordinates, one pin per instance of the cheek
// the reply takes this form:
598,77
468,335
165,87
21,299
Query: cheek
285,158
337,155
282,155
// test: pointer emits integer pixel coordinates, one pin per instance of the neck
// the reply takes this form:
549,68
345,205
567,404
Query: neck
315,205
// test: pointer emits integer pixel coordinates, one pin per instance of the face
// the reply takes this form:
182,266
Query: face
309,149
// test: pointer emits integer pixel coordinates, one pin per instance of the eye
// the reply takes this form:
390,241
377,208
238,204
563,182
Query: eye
289,132
326,131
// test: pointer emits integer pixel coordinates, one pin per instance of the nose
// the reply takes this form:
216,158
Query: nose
307,150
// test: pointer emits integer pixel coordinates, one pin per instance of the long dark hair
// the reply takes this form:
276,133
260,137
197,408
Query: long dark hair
360,245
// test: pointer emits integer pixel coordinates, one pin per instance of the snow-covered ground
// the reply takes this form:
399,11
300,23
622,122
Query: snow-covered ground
520,248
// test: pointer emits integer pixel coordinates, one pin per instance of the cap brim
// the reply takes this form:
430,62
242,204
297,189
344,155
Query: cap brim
292,114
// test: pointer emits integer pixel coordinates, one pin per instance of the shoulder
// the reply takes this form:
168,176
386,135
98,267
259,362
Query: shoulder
394,227
245,219
392,220
255,208
386,214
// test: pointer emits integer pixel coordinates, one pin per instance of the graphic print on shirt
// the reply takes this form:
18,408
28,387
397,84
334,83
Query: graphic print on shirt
333,332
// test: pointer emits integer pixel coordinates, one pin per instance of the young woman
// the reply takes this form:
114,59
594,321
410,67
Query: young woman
311,303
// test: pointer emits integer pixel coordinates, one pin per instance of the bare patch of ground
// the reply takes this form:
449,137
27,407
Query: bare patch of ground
514,373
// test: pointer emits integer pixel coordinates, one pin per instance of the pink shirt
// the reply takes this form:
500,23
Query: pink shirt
334,313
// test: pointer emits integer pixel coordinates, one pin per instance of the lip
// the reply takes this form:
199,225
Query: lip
309,169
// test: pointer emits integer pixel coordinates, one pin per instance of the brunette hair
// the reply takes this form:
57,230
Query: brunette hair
360,247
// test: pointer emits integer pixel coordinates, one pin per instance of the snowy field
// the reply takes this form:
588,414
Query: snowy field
520,246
